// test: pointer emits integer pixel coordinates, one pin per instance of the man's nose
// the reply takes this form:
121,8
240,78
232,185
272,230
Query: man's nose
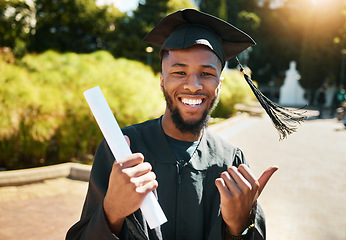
193,83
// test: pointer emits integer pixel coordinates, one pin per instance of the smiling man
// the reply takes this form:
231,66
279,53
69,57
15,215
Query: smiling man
202,182
191,89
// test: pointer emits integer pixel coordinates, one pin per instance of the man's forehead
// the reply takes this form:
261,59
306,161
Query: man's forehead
197,54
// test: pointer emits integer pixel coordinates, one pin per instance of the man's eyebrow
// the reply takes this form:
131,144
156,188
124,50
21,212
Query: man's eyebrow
209,66
178,65
185,65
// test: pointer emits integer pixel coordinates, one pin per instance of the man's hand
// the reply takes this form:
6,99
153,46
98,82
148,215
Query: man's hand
239,190
131,179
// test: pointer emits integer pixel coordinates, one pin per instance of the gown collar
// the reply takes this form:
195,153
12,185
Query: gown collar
163,152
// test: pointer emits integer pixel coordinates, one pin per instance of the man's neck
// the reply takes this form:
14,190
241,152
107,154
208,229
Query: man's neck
171,130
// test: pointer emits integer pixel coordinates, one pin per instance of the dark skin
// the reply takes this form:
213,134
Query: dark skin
192,78
192,85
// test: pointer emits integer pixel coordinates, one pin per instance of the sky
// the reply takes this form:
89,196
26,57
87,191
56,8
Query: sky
122,5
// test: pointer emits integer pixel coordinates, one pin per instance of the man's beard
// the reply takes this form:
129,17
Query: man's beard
183,126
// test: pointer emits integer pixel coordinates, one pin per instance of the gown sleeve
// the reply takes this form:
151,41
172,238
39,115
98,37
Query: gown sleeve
93,223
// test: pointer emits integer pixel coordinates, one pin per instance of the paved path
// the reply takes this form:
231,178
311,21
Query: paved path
40,211
304,200
306,197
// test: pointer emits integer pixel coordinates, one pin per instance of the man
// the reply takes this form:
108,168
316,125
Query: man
202,182
321,100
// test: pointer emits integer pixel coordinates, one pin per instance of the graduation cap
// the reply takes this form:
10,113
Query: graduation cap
189,27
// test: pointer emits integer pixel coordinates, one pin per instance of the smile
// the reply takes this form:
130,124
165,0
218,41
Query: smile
192,102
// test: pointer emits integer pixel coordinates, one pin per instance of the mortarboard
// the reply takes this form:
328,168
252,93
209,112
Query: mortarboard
188,27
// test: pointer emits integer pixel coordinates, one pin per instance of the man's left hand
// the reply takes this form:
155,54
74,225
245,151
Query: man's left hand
239,190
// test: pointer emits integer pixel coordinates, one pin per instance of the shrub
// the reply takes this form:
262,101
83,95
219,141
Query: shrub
46,120
45,117
234,90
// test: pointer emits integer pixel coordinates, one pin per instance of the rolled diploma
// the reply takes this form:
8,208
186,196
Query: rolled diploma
110,129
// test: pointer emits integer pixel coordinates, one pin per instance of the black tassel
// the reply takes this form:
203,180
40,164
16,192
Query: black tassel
282,118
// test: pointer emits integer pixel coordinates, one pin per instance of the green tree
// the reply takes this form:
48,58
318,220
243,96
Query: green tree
131,29
16,21
340,43
320,57
240,13
298,30
175,5
217,8
72,25
278,42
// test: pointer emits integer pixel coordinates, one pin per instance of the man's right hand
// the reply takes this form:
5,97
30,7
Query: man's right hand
131,179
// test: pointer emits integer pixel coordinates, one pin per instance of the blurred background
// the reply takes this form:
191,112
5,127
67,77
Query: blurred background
51,51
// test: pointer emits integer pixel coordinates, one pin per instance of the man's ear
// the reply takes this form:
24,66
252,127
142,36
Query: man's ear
161,82
221,80
220,85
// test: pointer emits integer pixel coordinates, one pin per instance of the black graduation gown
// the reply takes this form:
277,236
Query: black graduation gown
189,199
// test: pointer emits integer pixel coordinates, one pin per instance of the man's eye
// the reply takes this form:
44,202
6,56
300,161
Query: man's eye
205,74
180,73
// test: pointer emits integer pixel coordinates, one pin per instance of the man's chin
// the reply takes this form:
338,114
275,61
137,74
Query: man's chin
191,121
188,124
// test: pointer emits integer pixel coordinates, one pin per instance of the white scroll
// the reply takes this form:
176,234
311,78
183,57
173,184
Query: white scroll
150,208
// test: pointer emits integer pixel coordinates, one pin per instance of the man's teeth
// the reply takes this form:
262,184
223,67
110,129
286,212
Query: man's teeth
191,102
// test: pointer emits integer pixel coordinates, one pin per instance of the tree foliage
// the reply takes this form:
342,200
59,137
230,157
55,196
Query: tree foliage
132,29
15,24
40,96
71,25
320,55
311,34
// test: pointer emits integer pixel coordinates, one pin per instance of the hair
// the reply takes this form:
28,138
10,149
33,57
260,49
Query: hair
163,53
